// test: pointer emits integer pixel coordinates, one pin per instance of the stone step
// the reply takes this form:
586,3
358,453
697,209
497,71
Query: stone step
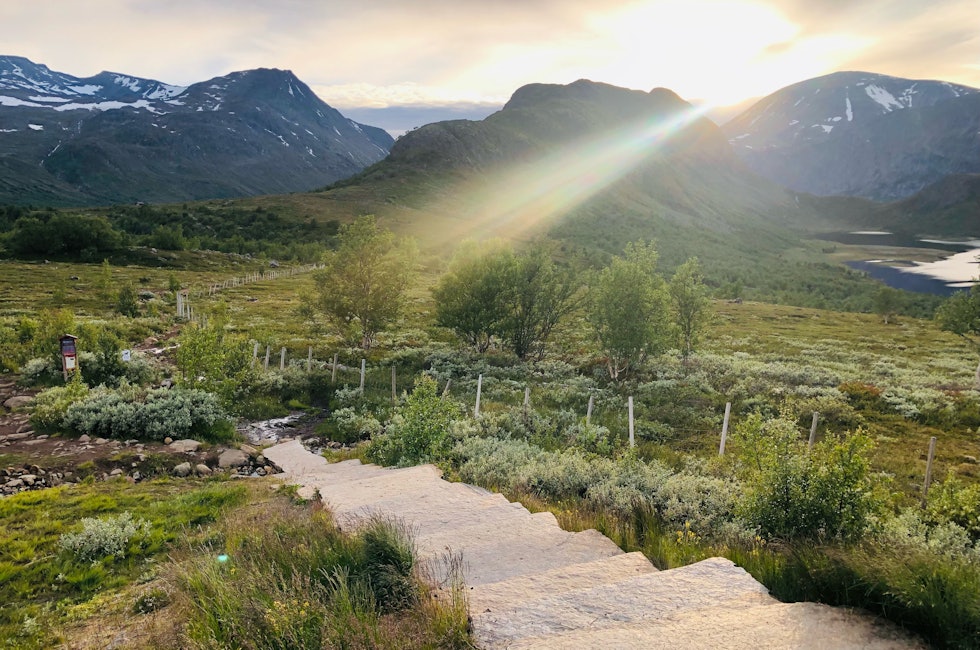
805,626
386,484
509,556
648,598
510,593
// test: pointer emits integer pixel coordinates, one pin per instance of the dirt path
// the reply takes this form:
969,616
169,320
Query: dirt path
531,584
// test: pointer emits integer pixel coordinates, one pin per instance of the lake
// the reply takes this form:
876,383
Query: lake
944,277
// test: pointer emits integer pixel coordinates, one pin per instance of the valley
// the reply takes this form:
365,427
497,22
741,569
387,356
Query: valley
567,302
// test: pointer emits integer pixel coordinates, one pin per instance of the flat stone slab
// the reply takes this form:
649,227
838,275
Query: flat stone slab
802,626
186,446
648,597
509,593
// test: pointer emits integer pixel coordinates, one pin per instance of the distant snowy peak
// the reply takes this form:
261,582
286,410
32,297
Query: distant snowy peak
823,107
28,84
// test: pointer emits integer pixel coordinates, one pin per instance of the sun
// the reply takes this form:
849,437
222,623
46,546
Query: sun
716,52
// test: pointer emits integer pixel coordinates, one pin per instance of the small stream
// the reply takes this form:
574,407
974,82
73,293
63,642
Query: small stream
266,432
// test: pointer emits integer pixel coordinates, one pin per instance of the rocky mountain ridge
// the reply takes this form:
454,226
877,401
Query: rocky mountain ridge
116,138
861,134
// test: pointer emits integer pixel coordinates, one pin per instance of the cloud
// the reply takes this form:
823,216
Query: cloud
388,52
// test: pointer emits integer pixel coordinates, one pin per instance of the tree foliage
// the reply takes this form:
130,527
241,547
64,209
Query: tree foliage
689,299
887,303
539,294
471,295
362,286
517,297
960,314
629,309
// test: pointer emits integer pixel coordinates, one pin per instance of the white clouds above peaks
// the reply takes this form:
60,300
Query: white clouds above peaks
442,52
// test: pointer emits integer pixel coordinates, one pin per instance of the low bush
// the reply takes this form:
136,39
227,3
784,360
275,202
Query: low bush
132,413
104,537
420,432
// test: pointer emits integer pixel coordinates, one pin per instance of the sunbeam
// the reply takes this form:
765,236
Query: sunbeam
520,199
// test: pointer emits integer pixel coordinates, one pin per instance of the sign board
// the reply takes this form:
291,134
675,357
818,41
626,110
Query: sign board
69,355
126,355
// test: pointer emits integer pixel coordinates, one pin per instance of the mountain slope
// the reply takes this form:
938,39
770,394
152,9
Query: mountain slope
113,138
861,134
551,163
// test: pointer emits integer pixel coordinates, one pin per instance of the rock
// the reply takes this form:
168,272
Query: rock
42,437
83,438
19,436
14,482
116,472
101,441
24,428
167,440
202,469
972,460
260,460
260,471
28,479
137,476
185,446
183,469
232,458
131,442
249,449
18,401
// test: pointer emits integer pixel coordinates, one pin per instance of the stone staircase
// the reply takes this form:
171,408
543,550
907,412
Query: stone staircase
531,584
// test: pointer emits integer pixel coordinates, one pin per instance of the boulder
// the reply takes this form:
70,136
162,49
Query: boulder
249,449
232,458
17,401
202,469
84,438
185,446
184,469
28,478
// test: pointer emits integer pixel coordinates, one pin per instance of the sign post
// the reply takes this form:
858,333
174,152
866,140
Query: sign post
69,355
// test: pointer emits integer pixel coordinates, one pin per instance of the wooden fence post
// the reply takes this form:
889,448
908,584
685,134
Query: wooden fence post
632,438
309,358
479,389
282,359
724,428
929,458
588,410
445,391
394,387
363,369
266,366
255,352
333,373
813,431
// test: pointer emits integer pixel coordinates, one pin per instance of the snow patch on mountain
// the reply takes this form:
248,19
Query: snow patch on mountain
849,111
883,97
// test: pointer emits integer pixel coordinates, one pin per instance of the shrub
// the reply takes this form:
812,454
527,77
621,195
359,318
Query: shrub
104,537
129,413
421,434
353,426
51,405
796,494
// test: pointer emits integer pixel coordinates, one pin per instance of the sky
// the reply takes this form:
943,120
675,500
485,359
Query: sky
414,60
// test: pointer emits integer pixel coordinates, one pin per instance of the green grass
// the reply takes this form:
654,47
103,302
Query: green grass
42,583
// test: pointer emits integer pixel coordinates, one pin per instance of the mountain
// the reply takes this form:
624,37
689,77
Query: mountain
115,138
861,134
592,165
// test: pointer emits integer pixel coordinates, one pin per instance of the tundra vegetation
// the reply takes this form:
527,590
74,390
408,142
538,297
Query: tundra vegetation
544,332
